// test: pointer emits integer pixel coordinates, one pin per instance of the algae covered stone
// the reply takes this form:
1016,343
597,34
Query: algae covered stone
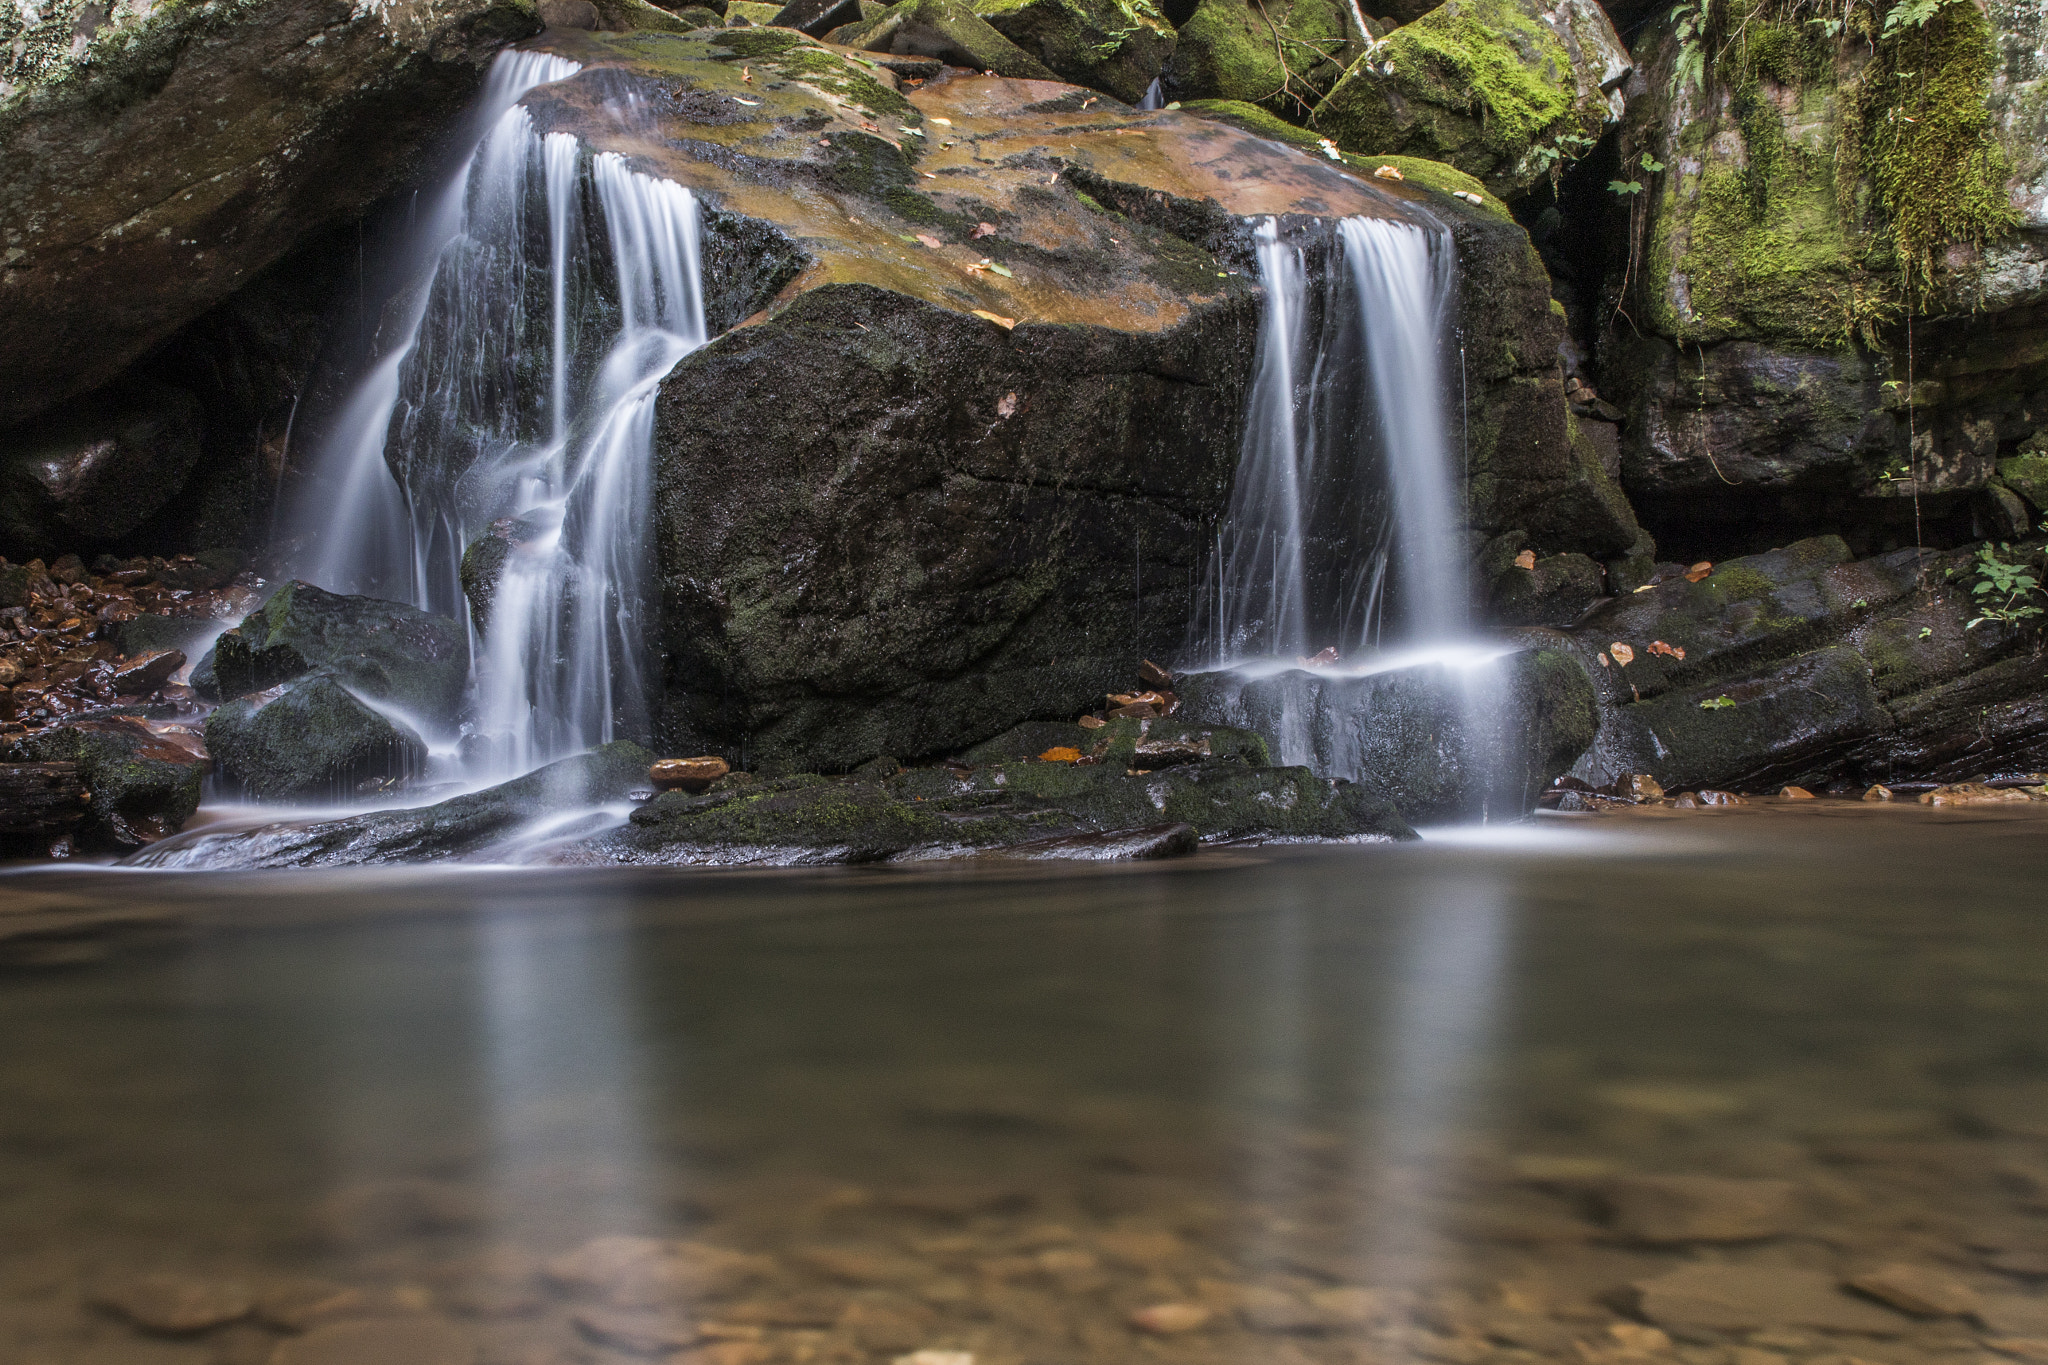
389,651
1283,56
310,739
1115,46
947,30
143,787
1505,90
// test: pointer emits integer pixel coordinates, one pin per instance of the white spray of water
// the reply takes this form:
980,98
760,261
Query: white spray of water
355,517
1344,536
557,289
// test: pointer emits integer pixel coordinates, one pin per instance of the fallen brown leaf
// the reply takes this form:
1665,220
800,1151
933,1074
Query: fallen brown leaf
1060,753
1007,407
1006,324
929,240
1388,173
1623,655
982,230
1526,560
1699,571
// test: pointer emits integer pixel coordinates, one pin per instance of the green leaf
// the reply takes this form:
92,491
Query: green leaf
1717,704
1002,270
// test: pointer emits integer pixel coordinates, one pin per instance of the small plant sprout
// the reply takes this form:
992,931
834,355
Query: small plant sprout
2002,588
1926,633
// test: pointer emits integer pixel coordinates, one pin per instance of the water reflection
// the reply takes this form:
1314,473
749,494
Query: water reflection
1473,1105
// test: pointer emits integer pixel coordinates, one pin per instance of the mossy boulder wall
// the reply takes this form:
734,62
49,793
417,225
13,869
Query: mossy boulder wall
1115,46
1283,55
1505,90
153,162
1763,364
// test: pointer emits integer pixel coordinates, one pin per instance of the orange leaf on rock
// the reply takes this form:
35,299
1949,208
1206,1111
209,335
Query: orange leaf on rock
929,240
982,230
1005,323
1526,560
1623,655
1060,753
1699,571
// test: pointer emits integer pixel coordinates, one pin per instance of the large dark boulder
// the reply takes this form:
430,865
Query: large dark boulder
1115,46
1283,55
390,652
153,160
143,787
311,739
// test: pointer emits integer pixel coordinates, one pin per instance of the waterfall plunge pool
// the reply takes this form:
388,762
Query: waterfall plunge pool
1435,1101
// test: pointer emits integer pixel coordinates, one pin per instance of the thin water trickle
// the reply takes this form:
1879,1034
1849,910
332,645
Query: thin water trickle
1337,614
552,291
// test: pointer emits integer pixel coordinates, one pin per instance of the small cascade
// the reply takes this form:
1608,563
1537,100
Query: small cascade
1153,98
1335,616
1346,477
510,418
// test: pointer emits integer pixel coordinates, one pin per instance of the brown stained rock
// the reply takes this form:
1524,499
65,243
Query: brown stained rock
172,1304
1796,794
1668,1209
890,1326
1141,1249
795,1310
2014,1315
648,1272
961,1200
2031,1349
1740,1298
1920,1290
690,774
859,1265
380,1341
1171,1319
2016,1110
391,1210
1973,794
297,1305
639,1333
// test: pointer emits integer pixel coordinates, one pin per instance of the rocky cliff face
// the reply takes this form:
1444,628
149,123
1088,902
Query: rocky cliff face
1834,280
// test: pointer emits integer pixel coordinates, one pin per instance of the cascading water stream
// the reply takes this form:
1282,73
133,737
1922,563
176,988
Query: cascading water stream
513,406
1340,564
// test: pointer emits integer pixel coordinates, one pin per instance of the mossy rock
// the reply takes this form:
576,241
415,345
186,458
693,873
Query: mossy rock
142,788
1232,50
391,652
1118,740
2027,475
1115,46
947,30
310,740
1504,90
1416,173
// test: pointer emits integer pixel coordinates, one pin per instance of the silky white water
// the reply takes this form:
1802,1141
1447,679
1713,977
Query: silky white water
1347,482
512,404
1336,615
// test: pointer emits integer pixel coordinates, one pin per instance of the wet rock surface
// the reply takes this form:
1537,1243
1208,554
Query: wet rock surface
1804,666
1086,266
237,131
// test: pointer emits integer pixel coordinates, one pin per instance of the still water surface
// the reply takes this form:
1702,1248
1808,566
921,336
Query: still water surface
1333,1104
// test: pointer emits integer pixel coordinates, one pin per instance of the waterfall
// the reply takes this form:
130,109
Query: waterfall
1336,616
509,417
1345,480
